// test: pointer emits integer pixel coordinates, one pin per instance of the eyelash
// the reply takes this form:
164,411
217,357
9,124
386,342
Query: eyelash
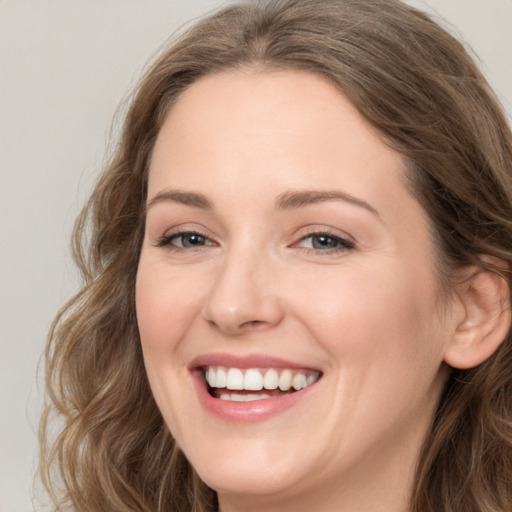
166,240
343,244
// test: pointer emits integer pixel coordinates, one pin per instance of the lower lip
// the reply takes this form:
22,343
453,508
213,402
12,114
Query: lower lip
247,412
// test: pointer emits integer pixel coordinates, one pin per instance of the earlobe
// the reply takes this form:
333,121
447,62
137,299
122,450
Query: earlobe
484,322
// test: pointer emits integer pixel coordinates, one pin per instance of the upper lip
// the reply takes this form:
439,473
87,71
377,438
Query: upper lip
246,361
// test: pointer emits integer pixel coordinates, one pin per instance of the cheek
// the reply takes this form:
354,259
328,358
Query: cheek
165,305
384,339
164,314
165,308
371,313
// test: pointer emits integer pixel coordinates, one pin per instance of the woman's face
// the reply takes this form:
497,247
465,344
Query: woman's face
283,249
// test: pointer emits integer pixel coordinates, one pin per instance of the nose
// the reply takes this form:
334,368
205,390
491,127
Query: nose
243,297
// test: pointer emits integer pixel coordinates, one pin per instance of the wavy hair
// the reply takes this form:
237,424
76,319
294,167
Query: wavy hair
104,445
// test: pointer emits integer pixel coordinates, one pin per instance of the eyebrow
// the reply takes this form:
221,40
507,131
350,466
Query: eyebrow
298,199
289,200
179,196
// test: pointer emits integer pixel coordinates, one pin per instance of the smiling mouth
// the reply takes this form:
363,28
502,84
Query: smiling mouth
245,385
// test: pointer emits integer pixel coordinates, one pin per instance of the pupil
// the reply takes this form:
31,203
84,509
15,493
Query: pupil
192,240
321,242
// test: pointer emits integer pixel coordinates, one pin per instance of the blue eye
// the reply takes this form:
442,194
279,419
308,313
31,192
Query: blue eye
190,240
185,240
326,242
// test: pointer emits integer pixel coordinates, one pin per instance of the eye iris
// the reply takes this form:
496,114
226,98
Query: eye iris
192,240
324,242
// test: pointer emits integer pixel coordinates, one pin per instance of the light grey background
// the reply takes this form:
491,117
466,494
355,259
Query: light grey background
64,67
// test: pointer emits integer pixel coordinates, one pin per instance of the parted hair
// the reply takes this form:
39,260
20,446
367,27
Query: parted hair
104,444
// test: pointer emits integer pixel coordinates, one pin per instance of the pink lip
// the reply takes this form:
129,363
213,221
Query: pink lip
245,412
244,362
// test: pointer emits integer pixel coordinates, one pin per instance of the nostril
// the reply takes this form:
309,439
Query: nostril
252,323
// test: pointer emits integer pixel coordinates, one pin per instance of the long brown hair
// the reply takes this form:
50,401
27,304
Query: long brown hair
416,84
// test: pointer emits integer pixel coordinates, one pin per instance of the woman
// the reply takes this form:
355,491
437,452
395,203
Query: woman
297,280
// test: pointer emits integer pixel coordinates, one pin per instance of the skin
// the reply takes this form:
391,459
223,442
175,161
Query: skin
365,313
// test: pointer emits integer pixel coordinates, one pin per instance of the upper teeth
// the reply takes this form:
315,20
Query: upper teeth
255,379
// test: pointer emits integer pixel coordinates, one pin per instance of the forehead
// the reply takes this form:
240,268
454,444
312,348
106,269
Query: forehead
253,120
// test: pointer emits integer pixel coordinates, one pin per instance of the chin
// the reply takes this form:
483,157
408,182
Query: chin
249,481
250,470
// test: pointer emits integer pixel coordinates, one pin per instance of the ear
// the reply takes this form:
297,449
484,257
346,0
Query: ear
484,319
